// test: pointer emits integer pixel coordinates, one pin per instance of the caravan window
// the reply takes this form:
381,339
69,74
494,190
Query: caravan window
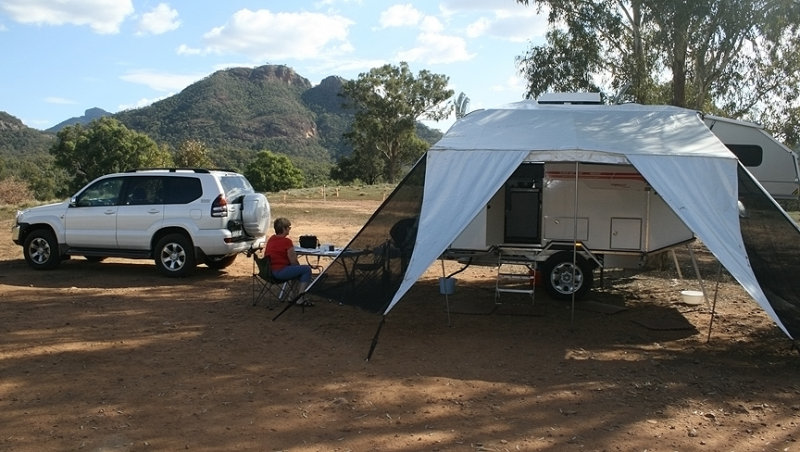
748,154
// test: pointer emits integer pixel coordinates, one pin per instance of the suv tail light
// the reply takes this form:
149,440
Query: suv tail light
219,208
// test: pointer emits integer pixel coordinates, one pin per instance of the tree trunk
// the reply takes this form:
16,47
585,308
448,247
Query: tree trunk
680,28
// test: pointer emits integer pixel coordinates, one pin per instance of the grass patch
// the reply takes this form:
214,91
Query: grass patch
337,192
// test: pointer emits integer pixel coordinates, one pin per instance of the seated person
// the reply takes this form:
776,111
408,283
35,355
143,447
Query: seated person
283,259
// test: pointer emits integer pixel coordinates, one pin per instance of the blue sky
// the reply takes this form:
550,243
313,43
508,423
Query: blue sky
61,57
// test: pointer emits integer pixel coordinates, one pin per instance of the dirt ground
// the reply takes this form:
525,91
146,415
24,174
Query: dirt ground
113,357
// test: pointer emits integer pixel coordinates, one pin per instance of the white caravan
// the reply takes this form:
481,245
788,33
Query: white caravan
770,162
610,211
616,218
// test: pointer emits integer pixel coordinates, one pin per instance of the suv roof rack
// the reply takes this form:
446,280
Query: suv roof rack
176,169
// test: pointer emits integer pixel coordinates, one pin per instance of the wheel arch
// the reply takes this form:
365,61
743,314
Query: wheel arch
28,228
161,233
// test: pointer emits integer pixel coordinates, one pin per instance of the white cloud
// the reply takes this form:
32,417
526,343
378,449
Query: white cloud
454,6
183,49
102,16
161,81
436,48
501,19
515,28
59,100
513,84
262,35
160,19
400,16
431,25
141,103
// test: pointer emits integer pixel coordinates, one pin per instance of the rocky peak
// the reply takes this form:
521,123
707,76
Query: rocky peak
8,122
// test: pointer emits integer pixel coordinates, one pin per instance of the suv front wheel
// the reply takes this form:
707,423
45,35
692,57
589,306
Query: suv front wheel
174,255
41,250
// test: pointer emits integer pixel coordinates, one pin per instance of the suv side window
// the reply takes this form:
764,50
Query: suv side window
102,193
182,190
144,191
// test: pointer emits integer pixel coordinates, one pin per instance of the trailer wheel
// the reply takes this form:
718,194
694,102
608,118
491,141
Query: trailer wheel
562,277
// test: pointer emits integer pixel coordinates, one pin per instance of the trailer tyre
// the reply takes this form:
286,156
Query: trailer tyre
562,277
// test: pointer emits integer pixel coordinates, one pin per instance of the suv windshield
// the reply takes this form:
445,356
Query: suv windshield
235,186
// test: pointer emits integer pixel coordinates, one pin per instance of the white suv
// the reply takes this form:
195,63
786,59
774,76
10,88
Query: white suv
178,217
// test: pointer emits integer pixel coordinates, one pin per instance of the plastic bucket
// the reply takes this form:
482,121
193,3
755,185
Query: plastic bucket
447,286
692,297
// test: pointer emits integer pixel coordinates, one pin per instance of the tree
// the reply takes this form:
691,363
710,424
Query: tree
104,146
193,154
725,55
388,101
273,172
461,106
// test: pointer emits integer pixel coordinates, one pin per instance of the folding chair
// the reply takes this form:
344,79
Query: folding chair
378,266
266,286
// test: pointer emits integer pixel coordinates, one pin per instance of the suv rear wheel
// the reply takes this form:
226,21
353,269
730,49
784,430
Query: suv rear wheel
41,250
174,255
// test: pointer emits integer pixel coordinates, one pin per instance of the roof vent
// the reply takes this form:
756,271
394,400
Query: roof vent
570,98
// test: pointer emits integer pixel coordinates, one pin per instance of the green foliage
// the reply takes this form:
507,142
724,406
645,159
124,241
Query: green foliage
105,146
24,155
566,64
736,56
388,102
18,141
273,172
45,180
193,154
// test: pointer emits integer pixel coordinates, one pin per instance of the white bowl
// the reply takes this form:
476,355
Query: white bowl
692,297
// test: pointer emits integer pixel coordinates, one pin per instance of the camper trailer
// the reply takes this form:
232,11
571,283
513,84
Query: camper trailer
608,213
770,162
616,219
564,189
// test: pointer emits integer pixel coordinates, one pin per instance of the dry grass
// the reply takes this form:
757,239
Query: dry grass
14,191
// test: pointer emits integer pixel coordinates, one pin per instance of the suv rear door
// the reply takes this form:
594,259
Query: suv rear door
141,211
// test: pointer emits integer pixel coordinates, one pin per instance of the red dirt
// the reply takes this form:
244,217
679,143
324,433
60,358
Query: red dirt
113,357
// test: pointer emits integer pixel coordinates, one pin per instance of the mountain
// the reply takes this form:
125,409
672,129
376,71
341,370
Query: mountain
18,141
253,109
88,116
235,113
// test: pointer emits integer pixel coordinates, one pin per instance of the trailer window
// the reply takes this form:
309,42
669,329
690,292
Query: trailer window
748,154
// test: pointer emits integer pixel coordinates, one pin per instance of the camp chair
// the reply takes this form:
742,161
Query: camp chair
268,287
377,266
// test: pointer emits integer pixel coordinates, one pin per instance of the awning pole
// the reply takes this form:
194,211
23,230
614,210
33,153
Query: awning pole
446,297
574,247
375,338
714,303
677,266
291,303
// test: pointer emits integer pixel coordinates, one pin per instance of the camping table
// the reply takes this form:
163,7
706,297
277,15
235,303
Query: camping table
308,253
348,264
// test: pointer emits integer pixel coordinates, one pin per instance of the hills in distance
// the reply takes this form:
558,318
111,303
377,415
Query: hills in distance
235,112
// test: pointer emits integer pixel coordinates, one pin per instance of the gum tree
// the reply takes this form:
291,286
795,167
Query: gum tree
388,101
